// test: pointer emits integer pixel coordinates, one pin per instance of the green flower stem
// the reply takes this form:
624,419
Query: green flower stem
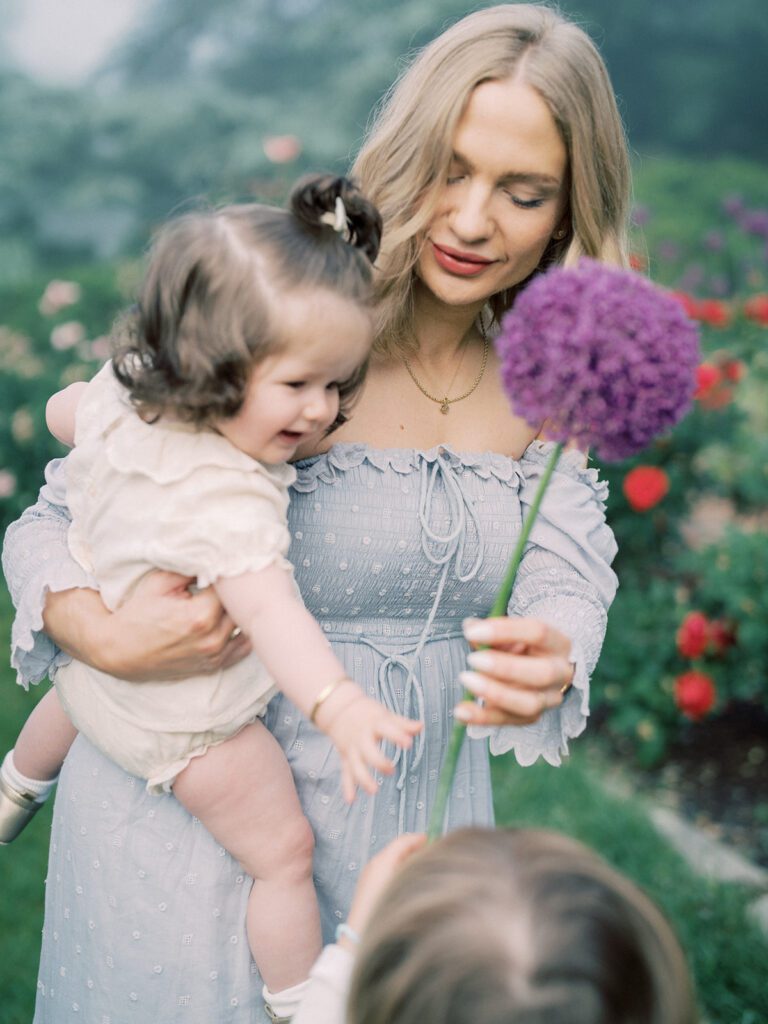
448,770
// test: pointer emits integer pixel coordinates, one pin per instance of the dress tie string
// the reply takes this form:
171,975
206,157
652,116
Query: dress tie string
461,512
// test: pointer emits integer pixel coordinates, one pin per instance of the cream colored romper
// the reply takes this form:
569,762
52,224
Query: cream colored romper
165,496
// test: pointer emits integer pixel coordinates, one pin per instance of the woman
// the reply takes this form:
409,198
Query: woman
499,152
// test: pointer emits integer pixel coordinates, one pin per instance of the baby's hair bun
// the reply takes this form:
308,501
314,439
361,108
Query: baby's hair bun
316,195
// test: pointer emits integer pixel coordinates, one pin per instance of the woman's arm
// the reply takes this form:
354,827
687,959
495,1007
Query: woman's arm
162,631
536,679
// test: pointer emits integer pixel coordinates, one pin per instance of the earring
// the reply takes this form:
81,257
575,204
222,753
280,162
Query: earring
560,234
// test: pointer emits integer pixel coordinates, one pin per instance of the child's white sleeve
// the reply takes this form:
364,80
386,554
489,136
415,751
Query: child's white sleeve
326,998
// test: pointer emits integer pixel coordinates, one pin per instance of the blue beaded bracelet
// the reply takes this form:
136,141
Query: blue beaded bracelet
344,931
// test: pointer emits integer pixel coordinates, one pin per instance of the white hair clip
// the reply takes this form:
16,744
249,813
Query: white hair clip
336,219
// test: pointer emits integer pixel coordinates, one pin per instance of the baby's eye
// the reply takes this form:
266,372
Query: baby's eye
295,383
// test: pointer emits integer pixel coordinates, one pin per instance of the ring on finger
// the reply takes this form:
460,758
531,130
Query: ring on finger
566,688
235,633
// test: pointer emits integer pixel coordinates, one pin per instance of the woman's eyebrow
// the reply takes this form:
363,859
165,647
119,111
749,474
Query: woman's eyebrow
515,177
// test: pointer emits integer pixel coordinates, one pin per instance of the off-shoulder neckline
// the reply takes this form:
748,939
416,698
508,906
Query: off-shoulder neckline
429,453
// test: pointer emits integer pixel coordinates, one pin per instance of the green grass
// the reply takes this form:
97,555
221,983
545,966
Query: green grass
727,954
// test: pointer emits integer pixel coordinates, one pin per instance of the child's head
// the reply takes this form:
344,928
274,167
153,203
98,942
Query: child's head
517,927
234,294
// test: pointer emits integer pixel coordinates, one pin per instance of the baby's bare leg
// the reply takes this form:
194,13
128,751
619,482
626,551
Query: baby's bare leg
243,792
45,739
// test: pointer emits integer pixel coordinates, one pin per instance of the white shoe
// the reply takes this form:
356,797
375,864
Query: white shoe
16,810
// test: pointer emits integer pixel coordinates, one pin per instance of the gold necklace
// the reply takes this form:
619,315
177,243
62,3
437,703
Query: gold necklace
445,403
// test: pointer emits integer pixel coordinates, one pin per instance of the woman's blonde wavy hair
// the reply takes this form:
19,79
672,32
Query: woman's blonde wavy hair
404,159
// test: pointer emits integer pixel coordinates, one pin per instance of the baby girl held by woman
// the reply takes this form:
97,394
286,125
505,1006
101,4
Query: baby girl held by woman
250,337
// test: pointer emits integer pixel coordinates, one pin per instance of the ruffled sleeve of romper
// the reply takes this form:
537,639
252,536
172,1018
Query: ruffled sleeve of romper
36,560
566,580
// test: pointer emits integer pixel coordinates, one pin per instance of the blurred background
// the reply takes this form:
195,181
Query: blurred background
115,113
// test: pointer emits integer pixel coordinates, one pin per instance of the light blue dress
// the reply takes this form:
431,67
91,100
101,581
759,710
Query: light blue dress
392,549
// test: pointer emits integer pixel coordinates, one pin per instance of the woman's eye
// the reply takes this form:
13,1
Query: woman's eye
333,386
526,204
295,384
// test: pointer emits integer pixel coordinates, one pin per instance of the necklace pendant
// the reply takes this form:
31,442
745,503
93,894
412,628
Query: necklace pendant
445,407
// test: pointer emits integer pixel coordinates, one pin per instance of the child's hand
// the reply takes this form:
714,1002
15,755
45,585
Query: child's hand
357,729
376,875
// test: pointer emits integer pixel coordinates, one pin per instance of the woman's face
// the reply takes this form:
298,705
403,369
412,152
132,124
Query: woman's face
504,196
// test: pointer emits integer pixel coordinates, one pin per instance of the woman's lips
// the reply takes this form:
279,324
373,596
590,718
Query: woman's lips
464,264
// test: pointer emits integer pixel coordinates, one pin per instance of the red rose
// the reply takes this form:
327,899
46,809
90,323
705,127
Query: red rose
713,312
694,694
689,304
708,376
637,261
733,370
645,486
710,391
722,635
694,635
756,309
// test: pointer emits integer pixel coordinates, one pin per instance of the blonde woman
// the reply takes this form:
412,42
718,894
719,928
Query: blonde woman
498,152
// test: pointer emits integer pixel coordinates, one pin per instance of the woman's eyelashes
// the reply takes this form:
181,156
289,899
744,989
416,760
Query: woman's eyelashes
523,204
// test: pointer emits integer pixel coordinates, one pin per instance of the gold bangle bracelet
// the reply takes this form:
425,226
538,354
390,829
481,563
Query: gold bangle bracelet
324,694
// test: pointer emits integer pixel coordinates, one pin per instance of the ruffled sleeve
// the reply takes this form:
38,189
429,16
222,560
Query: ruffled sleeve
36,560
566,580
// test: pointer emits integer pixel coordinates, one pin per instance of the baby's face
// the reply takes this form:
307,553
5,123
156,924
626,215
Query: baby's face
293,395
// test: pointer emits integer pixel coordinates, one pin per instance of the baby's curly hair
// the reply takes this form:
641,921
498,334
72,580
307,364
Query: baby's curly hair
210,303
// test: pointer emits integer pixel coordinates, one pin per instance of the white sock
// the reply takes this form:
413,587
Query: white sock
39,788
286,1002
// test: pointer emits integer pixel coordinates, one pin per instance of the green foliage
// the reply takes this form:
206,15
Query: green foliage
703,546
728,975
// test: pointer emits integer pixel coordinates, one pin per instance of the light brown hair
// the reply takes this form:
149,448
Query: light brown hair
518,926
405,157
209,306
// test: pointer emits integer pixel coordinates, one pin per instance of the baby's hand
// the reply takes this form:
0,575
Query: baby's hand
357,729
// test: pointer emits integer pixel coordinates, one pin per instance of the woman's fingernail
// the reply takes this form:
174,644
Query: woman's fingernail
473,682
481,660
463,713
477,631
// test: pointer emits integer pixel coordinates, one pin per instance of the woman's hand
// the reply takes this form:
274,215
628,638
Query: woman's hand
162,631
526,671
376,876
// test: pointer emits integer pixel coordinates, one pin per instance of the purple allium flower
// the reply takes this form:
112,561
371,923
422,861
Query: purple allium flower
755,222
733,204
640,215
692,278
669,251
607,358
714,241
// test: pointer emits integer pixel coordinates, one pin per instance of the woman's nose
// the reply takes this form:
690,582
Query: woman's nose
470,217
